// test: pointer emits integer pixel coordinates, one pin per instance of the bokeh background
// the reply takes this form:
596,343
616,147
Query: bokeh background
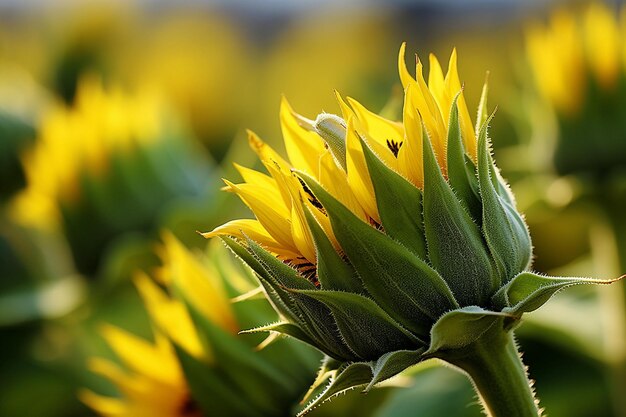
118,119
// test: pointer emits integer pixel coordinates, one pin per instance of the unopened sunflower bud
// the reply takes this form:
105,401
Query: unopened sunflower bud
333,130
395,242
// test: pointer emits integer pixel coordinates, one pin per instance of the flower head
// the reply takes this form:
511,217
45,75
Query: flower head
196,364
577,62
385,242
104,166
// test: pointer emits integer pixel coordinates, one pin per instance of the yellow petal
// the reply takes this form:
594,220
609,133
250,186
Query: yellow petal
423,102
334,180
436,81
405,76
257,178
410,162
453,87
264,151
555,56
303,147
105,406
141,356
272,215
358,175
127,383
379,132
200,284
171,316
301,233
251,228
602,39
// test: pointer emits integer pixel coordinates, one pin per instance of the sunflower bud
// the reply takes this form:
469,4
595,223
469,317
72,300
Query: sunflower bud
410,249
578,71
198,365
105,166
333,130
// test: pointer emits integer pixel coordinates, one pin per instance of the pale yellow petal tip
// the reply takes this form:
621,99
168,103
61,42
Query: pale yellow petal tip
254,140
405,76
284,104
209,235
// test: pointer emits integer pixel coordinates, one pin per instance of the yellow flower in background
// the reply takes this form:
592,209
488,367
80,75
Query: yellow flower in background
112,163
197,363
279,200
578,63
575,49
81,141
151,381
198,61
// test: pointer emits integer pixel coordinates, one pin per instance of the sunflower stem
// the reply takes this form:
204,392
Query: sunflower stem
494,365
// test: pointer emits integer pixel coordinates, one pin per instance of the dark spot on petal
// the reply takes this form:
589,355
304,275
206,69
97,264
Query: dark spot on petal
394,146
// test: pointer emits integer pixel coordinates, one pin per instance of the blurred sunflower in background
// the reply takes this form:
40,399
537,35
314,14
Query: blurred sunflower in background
106,166
578,76
196,364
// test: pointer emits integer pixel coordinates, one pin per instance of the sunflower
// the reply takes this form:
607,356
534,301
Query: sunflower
384,243
194,366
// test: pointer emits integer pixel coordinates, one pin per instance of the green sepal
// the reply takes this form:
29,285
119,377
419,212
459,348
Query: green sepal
503,227
461,174
455,245
210,392
528,291
283,274
481,113
392,363
348,377
405,286
399,203
362,374
365,327
278,297
459,328
333,272
285,328
312,313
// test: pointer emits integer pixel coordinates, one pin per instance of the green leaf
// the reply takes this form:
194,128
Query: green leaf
405,286
241,364
460,173
459,328
399,204
529,291
211,392
351,376
455,244
366,328
504,229
392,363
332,271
